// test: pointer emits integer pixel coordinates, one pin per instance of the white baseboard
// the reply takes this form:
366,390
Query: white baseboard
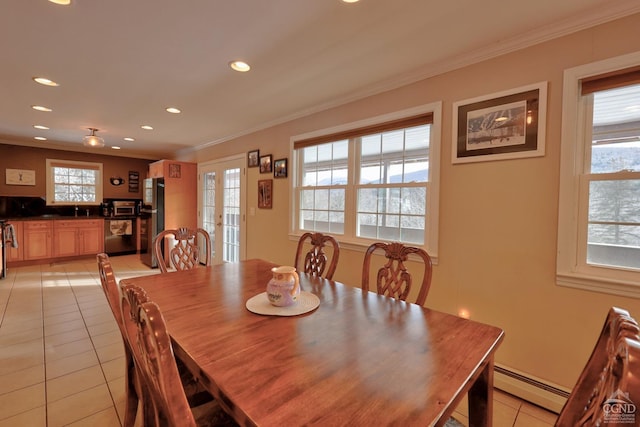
525,386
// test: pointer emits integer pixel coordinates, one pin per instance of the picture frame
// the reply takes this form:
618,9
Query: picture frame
265,164
265,194
253,159
280,168
20,177
504,125
175,170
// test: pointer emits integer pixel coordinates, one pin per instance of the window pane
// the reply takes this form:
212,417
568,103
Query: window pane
614,245
75,185
615,201
395,157
616,130
396,213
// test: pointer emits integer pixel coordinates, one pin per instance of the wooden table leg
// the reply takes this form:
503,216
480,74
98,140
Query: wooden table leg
481,398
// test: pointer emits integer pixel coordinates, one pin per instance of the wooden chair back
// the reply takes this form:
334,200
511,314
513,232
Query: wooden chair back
114,297
393,278
185,253
151,347
316,259
608,389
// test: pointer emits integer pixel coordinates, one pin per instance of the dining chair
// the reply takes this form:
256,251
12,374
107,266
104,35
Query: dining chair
132,385
393,278
196,393
153,354
315,257
608,389
184,252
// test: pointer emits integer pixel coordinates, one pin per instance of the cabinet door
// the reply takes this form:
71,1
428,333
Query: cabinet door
65,242
37,239
16,254
91,240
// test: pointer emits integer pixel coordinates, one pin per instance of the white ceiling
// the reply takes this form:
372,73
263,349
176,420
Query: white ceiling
120,63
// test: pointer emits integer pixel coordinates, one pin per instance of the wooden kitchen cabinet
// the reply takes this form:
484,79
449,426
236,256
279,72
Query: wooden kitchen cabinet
180,192
78,237
37,237
16,254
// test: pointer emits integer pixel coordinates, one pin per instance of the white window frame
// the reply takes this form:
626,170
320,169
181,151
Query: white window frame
350,240
51,163
572,268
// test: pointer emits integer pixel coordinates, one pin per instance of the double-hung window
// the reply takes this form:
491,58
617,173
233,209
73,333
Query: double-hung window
371,180
599,220
73,183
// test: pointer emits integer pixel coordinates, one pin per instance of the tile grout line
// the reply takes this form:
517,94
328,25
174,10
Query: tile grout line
44,351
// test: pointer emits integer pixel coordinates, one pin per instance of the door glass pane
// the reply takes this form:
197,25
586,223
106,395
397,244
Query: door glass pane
209,208
231,222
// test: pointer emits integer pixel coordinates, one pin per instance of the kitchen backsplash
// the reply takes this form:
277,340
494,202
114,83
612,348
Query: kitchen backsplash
16,207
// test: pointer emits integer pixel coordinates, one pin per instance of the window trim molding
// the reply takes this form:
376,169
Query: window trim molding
50,163
433,199
569,272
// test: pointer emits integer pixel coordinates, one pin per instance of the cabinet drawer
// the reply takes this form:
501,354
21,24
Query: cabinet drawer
37,225
78,223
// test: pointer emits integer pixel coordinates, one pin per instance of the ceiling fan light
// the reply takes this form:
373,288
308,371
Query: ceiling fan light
92,140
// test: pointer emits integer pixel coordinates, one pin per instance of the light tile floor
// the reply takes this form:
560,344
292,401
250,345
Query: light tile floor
61,355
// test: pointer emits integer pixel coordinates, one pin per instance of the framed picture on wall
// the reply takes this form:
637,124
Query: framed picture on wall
265,193
504,125
280,168
253,159
265,164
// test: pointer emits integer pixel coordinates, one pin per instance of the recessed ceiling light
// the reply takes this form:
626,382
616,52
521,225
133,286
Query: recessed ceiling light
147,127
40,138
115,147
45,81
350,1
173,110
129,139
62,2
241,66
41,127
41,108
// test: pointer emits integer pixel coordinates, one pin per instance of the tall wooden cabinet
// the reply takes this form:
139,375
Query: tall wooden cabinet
180,192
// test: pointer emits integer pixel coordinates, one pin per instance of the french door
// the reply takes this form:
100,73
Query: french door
221,207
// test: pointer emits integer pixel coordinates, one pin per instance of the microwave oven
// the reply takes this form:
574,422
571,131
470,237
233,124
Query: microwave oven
124,208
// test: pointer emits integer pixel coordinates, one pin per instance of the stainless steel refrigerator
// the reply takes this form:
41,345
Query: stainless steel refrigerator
152,221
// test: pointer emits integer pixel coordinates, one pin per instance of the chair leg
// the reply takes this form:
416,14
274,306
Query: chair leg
131,405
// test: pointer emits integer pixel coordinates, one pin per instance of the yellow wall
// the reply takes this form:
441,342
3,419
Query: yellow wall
498,220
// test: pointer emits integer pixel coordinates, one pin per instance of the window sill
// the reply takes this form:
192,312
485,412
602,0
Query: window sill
597,284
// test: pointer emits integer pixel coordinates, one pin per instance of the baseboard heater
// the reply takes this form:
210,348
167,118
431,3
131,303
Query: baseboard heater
534,390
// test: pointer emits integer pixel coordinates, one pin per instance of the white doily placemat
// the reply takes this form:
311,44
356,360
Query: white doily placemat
260,304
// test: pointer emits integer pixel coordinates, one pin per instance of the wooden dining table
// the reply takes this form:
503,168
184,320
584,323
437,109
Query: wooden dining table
357,359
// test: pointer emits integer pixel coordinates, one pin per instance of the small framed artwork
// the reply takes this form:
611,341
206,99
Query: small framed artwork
265,193
134,181
253,158
175,170
280,168
265,164
20,177
504,125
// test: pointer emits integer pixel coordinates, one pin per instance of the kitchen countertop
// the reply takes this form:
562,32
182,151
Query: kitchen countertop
48,217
